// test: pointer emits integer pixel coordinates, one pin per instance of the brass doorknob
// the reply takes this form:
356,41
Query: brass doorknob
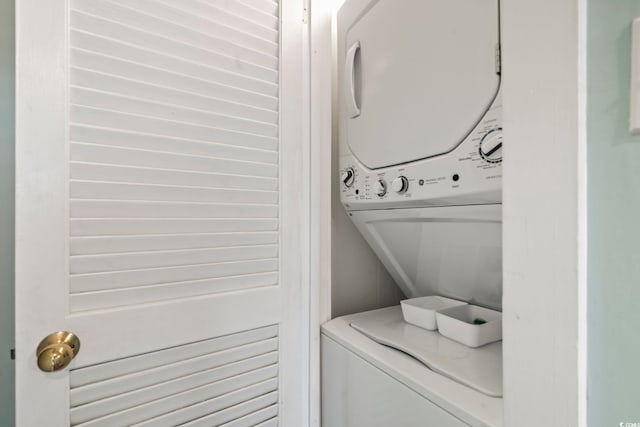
57,350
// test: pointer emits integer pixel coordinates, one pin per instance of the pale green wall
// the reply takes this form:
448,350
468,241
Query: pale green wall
6,210
614,219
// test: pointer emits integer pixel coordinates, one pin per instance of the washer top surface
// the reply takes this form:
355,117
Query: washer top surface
471,406
479,368
423,76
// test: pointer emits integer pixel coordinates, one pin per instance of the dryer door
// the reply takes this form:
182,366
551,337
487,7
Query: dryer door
417,75
450,251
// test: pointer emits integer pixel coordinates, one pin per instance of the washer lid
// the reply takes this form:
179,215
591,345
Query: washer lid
417,76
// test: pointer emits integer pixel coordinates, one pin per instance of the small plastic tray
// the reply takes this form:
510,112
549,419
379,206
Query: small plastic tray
470,325
422,311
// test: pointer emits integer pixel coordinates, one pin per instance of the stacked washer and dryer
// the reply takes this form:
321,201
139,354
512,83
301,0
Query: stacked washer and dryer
420,162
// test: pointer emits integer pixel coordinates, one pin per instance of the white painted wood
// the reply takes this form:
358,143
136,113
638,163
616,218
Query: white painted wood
90,153
217,404
175,128
544,211
180,96
130,105
179,408
157,276
86,209
321,13
114,386
295,166
84,171
149,402
160,72
163,174
131,296
118,368
270,423
92,190
228,16
126,226
240,410
124,15
254,419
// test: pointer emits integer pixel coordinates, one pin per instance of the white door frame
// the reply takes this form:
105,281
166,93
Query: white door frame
295,197
545,212
321,64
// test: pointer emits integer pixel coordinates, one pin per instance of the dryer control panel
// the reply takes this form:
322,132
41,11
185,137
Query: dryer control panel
470,174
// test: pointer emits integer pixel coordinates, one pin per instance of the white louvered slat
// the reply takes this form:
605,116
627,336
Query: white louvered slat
240,410
116,368
141,123
103,35
128,174
127,16
225,17
143,192
116,386
163,71
167,275
146,209
110,227
168,111
140,260
175,14
103,245
250,420
90,153
159,143
269,423
170,407
250,11
180,96
130,399
138,295
262,392
227,378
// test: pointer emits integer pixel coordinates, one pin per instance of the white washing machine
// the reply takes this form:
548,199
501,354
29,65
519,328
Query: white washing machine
420,163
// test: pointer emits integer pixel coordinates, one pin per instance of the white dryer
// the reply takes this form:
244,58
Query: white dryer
420,139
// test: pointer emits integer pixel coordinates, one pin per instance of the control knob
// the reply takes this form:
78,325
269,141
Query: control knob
380,188
491,146
400,185
348,176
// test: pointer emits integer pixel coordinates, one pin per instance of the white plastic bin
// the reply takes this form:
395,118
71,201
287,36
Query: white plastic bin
422,311
465,325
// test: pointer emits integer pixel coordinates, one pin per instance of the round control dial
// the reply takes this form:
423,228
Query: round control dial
491,146
380,188
400,185
348,177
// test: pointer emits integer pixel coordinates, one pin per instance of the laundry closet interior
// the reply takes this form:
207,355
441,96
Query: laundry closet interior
419,175
326,213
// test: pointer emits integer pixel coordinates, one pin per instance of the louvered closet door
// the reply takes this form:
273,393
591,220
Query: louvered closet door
161,212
